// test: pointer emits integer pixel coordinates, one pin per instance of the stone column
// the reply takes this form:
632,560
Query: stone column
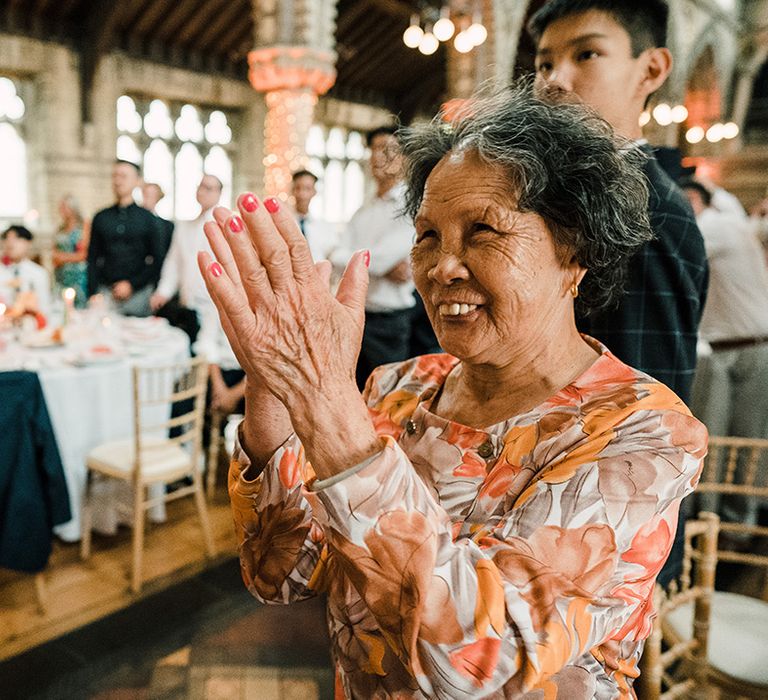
292,64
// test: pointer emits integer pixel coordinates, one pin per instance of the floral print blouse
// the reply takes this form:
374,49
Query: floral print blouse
513,562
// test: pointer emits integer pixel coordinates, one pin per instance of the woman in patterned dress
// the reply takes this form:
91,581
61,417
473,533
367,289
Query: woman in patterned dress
488,522
71,250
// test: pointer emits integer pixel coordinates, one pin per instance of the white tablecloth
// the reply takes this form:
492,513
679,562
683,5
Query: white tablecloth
93,403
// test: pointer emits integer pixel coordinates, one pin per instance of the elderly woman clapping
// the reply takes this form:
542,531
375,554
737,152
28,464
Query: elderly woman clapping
488,522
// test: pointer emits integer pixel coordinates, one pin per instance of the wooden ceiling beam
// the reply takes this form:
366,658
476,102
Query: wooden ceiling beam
201,19
220,26
349,17
425,93
369,73
175,19
132,13
396,8
149,18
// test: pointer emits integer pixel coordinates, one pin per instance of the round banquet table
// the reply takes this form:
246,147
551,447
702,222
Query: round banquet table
87,383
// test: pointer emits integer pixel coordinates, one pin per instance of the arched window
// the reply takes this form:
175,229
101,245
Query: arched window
13,172
175,143
336,156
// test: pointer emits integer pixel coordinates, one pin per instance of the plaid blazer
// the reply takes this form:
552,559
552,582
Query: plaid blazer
655,326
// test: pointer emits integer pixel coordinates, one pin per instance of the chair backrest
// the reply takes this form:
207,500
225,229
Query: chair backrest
736,469
662,650
156,390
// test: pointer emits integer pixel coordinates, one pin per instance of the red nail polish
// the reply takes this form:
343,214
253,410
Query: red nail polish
367,258
235,224
272,205
249,202
215,269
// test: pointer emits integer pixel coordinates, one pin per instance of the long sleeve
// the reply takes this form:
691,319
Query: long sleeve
279,543
172,268
148,273
95,255
507,604
544,580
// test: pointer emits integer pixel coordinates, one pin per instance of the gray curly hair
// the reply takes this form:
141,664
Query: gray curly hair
563,163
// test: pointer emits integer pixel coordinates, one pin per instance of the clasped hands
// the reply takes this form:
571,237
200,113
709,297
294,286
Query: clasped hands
297,343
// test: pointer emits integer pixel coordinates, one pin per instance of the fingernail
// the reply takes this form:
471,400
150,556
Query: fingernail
249,202
272,205
367,258
215,269
235,224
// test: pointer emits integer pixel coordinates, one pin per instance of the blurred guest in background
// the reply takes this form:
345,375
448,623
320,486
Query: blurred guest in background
20,276
759,217
612,55
380,227
321,236
151,194
125,247
70,250
180,274
731,389
730,394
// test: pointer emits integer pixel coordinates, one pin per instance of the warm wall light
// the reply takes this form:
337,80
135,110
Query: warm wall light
730,130
695,134
679,114
645,117
662,113
428,44
412,35
444,28
715,133
477,33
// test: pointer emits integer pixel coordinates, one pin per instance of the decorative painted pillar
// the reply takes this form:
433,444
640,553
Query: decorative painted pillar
293,63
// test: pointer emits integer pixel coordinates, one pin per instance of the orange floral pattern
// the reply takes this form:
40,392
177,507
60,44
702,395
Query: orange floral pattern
512,562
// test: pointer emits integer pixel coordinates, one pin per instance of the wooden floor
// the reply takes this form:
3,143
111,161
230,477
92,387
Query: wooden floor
80,592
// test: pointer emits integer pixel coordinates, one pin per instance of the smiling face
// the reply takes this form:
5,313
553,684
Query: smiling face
590,55
491,277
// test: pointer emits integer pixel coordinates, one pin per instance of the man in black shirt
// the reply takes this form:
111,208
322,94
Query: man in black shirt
612,55
125,248
151,194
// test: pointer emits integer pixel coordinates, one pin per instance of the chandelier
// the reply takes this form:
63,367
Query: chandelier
440,24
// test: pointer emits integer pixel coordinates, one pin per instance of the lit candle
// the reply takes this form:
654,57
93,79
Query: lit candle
69,299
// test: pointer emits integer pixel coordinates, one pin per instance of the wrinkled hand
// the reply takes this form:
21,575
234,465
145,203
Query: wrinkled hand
283,323
288,331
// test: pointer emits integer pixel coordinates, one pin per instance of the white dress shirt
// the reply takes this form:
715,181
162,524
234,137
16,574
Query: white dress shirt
737,301
212,341
26,276
380,227
322,236
180,272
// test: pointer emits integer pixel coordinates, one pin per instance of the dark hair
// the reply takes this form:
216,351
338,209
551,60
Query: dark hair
135,166
644,20
564,164
696,186
20,231
379,131
303,173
